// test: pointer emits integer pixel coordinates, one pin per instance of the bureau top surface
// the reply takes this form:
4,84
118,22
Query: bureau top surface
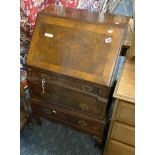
82,50
86,16
125,88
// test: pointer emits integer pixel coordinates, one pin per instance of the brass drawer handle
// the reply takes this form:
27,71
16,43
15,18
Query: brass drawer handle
83,106
83,123
86,89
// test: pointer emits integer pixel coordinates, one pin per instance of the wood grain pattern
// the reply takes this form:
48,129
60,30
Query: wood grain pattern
125,87
71,67
121,135
66,98
83,87
85,46
72,119
124,133
86,16
69,55
129,41
125,112
130,34
131,50
117,148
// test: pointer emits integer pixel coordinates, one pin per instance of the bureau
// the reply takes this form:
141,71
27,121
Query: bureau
121,136
71,63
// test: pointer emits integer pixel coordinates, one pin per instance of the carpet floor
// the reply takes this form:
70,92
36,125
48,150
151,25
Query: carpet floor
54,139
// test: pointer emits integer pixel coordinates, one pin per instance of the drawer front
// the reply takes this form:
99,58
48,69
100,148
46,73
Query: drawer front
65,116
60,96
66,82
125,112
117,148
123,133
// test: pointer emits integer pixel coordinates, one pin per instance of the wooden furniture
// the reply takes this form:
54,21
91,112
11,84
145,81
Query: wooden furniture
129,41
131,50
71,63
130,33
121,136
23,118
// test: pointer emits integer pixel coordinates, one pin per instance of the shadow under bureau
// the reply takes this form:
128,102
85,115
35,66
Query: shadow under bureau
71,62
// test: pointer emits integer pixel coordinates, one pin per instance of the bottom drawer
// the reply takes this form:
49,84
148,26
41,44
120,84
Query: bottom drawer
123,133
75,120
117,148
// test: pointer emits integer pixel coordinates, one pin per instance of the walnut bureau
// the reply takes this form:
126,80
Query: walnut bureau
71,63
121,136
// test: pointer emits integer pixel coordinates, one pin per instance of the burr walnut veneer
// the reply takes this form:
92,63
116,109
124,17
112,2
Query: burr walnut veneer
71,63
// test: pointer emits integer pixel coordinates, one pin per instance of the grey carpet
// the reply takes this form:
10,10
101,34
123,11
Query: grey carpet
54,139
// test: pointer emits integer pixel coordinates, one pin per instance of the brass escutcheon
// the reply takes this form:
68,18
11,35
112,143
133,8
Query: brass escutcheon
83,123
83,106
86,89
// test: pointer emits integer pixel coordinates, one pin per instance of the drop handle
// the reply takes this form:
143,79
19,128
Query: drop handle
83,123
86,89
83,106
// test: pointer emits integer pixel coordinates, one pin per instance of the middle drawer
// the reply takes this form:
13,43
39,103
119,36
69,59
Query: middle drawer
70,99
123,133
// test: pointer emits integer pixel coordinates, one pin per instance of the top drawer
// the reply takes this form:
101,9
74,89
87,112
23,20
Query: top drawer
66,82
125,112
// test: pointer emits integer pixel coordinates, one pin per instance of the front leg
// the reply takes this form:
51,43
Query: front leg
98,141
